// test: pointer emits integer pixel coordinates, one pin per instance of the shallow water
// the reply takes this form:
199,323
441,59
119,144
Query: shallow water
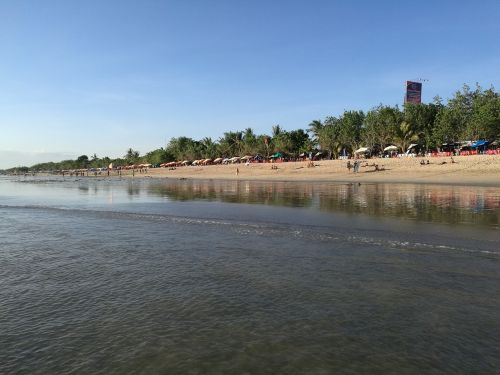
167,276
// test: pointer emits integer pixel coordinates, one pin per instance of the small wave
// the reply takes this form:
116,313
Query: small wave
269,229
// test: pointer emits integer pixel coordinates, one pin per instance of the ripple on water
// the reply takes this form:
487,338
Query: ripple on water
89,290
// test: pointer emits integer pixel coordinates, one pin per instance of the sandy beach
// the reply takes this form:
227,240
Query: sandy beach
481,170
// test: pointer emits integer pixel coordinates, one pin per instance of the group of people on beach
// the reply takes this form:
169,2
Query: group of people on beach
355,166
357,163
427,162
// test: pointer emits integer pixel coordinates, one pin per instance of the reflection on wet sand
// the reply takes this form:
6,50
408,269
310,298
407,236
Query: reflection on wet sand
434,203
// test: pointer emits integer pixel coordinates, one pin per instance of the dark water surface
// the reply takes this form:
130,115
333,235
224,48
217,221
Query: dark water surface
202,277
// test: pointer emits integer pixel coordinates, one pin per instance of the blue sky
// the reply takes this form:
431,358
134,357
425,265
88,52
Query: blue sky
85,77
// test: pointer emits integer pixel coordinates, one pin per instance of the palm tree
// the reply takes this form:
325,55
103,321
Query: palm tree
181,148
131,156
280,139
404,135
329,139
208,148
249,141
231,143
315,128
264,140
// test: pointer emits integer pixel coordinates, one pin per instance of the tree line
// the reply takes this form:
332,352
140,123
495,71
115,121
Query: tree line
471,114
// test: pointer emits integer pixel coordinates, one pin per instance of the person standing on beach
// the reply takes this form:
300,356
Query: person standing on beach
358,164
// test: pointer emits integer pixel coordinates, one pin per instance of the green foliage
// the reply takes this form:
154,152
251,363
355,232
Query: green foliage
18,170
329,136
82,161
132,156
315,129
183,148
208,148
250,141
158,156
280,140
468,116
421,119
381,126
351,125
231,144
405,134
298,142
485,119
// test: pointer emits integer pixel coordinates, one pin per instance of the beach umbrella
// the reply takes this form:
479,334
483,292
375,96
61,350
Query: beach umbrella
391,148
362,150
258,157
479,143
218,160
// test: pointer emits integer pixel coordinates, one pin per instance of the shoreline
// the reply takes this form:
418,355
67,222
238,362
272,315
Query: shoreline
476,170
480,170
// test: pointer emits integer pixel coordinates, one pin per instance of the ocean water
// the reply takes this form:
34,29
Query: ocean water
142,276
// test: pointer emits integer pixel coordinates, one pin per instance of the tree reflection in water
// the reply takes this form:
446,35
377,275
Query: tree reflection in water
432,203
